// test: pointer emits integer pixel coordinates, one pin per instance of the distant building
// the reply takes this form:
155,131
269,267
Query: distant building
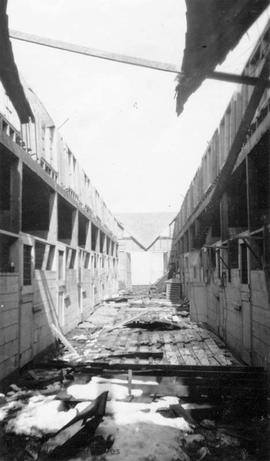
144,248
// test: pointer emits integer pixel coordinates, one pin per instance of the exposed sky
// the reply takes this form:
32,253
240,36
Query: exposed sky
122,125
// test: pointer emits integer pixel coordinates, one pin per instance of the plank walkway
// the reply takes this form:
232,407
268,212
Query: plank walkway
155,335
157,341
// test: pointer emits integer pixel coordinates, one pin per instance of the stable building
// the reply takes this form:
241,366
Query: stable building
144,248
58,239
221,243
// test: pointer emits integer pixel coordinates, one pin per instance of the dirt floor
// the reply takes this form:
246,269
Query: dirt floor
124,394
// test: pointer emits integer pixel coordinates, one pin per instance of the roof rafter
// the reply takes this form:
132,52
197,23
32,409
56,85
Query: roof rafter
125,59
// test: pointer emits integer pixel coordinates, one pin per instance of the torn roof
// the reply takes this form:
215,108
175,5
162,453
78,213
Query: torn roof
36,105
9,75
145,227
213,29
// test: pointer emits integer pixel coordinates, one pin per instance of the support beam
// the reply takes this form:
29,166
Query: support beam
234,78
124,59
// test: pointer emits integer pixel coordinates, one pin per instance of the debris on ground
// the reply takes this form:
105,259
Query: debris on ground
59,335
116,299
156,321
74,406
91,390
208,424
193,441
157,328
79,430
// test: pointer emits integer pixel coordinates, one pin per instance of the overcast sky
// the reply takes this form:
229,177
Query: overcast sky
122,124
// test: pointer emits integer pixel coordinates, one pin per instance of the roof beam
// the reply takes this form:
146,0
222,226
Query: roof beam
124,59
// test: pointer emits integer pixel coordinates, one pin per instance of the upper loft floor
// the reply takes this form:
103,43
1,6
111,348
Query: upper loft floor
220,144
43,143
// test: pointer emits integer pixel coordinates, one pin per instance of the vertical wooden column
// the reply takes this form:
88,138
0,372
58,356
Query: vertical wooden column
226,134
16,196
18,184
98,241
103,249
190,239
53,217
75,228
224,216
88,236
109,248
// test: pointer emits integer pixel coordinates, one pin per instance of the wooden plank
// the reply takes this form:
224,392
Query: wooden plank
135,61
199,352
140,354
62,338
210,356
196,336
180,357
87,51
163,348
171,354
192,354
174,345
113,341
213,376
167,337
144,342
204,334
216,352
155,338
188,358
123,340
133,343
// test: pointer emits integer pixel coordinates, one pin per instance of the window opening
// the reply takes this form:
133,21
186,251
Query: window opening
94,235
4,185
27,273
256,247
39,254
213,258
50,259
244,264
8,254
60,265
108,246
86,260
101,242
233,254
72,259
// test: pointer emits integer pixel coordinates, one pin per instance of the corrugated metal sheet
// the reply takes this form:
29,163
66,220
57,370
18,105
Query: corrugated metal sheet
213,29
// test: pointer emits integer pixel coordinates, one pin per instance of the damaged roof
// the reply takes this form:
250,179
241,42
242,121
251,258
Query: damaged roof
9,75
36,105
213,29
146,227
